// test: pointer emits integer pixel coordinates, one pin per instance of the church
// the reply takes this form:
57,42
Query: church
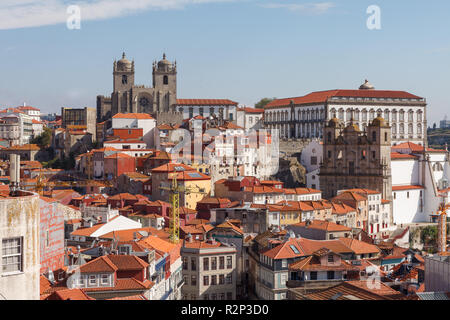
160,101
127,97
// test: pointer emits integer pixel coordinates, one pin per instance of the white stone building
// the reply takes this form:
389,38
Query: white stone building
304,117
33,112
19,241
137,120
223,108
250,118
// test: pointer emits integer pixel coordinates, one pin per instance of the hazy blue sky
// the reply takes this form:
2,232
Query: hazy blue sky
242,50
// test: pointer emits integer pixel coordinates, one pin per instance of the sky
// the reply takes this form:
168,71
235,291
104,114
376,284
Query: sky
241,50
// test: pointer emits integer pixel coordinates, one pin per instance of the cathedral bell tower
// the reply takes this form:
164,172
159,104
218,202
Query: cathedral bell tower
123,74
165,84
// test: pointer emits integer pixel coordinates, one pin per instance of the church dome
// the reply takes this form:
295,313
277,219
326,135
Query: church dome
164,62
379,122
366,86
124,64
352,127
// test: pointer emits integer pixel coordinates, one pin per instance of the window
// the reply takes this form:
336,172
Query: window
330,275
12,255
105,279
313,275
214,296
221,296
185,263
284,263
221,263
229,262
193,280
229,279
193,264
92,280
313,161
124,79
214,263
330,258
205,264
206,280
221,279
166,80
351,167
213,280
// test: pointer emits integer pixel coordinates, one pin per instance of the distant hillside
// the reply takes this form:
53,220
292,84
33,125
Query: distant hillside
437,138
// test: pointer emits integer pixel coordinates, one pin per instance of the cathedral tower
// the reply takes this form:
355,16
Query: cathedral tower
165,84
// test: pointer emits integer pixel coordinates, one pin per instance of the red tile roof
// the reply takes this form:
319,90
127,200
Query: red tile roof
132,116
323,225
323,96
172,167
100,264
401,156
402,188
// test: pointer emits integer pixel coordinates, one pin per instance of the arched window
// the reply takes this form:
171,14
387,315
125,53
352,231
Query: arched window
394,115
419,116
402,115
349,115
419,129
166,80
374,136
410,115
402,128
333,113
410,128
124,79
341,114
364,115
329,137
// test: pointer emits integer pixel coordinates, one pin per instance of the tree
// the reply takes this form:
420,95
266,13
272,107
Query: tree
44,139
261,103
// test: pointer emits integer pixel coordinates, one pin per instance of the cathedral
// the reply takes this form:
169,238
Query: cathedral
127,97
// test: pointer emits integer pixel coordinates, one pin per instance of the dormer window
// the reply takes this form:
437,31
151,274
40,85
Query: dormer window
330,258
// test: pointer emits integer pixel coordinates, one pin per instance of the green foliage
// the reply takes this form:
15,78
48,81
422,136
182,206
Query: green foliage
44,139
429,237
261,103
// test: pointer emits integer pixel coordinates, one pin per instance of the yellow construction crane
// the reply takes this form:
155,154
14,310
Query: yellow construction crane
174,199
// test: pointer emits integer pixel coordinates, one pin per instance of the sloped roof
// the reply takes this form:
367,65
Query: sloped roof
322,96
132,116
323,225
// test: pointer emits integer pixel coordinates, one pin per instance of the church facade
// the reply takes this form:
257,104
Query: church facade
127,97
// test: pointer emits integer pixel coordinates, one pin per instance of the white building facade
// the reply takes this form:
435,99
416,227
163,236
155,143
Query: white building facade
304,117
